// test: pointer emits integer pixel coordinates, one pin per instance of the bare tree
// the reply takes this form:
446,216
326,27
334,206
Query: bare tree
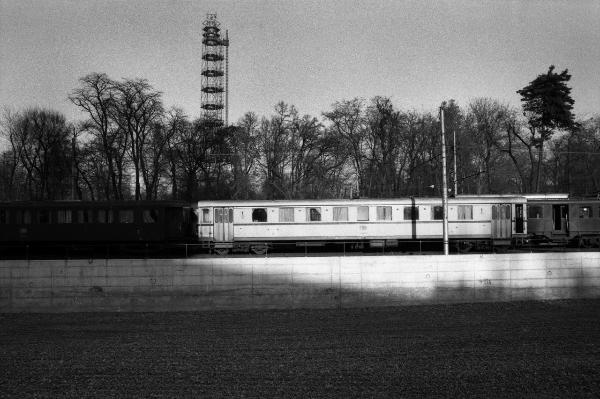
244,141
137,108
177,124
97,97
485,124
40,141
349,123
273,144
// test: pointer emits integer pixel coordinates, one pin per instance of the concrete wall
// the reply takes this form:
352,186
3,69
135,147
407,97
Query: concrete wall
238,283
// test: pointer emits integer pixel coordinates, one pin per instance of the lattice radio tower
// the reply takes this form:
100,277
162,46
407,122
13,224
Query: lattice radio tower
215,82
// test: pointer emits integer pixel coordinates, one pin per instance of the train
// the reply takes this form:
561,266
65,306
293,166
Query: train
475,222
115,225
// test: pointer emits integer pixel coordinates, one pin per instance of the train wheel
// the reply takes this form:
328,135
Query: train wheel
221,251
259,249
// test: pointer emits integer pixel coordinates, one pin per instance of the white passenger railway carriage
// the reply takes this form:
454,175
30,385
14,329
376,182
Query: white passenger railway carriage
255,225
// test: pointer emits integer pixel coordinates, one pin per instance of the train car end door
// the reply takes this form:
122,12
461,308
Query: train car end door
223,228
560,218
519,219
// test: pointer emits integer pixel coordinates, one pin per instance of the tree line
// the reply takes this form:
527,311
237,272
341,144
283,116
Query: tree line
130,146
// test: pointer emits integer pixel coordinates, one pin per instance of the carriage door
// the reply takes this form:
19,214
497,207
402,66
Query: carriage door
519,220
223,225
501,224
560,216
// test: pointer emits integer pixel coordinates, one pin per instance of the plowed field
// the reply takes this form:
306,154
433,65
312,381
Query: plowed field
487,350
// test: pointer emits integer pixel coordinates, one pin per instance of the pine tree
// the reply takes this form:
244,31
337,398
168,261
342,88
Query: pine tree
547,103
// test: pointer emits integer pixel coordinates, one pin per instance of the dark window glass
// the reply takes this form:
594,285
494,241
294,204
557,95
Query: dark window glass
205,215
126,216
150,215
411,213
438,212
43,216
85,216
314,214
64,216
3,216
259,215
535,212
104,216
23,216
585,212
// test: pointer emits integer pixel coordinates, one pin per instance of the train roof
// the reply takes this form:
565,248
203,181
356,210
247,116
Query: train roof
487,199
94,204
550,196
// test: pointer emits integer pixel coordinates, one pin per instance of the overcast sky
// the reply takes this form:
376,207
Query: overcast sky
306,53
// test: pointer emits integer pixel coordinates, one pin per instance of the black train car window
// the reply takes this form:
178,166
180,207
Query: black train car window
437,212
314,214
259,215
126,216
585,212
150,215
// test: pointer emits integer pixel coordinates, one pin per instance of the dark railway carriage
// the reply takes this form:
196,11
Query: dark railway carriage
95,222
554,219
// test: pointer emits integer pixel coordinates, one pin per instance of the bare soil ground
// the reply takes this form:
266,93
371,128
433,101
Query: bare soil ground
486,350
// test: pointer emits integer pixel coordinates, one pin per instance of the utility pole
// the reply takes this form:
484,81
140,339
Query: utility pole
455,175
73,163
444,182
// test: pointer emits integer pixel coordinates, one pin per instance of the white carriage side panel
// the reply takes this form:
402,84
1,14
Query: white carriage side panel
323,231
205,223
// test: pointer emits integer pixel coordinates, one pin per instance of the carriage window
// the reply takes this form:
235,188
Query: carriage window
43,216
3,216
259,215
411,213
384,213
585,212
535,212
465,212
362,213
23,216
340,213
126,216
105,216
205,215
150,215
504,211
286,215
64,216
85,216
437,212
313,215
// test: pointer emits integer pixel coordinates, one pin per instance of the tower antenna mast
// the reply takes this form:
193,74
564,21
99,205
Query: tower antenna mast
213,73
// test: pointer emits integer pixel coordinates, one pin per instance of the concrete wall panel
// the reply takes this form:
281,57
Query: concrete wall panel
315,282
